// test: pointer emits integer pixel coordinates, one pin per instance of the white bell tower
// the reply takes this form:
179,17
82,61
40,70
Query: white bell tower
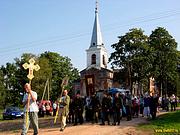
97,54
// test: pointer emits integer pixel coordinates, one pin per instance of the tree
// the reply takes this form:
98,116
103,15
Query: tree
178,79
52,66
131,54
11,84
2,91
164,58
61,66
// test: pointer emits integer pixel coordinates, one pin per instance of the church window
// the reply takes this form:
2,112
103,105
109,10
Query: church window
93,44
93,59
104,60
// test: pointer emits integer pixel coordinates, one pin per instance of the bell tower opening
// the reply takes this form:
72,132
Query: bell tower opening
93,59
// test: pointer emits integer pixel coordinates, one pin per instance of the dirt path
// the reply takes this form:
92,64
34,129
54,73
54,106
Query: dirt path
13,127
47,128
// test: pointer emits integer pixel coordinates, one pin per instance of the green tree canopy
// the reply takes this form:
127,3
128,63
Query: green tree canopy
154,56
131,53
164,57
3,91
61,66
52,66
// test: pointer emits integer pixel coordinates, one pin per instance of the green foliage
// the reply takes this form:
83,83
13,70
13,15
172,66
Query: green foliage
2,91
61,66
52,66
164,57
154,56
41,76
131,54
11,84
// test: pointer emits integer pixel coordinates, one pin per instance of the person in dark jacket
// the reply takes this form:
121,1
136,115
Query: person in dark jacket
78,108
141,101
117,106
166,103
106,105
128,105
88,109
153,105
95,104
146,111
71,111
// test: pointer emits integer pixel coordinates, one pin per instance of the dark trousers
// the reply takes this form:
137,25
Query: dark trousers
88,114
173,106
128,112
71,117
136,111
95,116
91,114
54,112
141,109
116,117
78,116
166,107
105,117
153,111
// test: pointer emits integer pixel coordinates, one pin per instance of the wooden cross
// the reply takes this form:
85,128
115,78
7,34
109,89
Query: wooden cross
31,67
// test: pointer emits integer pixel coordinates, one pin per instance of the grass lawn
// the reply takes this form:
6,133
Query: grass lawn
168,123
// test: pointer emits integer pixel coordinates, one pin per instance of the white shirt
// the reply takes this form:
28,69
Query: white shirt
33,107
62,100
88,101
54,105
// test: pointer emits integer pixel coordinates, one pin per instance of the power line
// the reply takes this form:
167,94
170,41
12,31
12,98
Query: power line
148,16
145,19
152,17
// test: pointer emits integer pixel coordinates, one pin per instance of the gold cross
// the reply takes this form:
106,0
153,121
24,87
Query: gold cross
31,67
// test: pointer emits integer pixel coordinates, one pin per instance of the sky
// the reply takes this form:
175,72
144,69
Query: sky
65,26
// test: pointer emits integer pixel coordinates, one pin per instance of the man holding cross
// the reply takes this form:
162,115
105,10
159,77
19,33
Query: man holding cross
63,109
29,100
31,97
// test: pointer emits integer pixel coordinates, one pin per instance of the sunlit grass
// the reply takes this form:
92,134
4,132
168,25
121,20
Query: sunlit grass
167,124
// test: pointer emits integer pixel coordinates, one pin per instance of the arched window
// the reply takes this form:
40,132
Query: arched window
93,59
104,60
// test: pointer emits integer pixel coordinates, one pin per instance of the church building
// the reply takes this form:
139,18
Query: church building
96,76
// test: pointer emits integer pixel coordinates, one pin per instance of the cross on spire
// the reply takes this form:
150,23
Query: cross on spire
96,39
96,9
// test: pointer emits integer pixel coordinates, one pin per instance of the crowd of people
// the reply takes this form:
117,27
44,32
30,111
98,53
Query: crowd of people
113,107
109,110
